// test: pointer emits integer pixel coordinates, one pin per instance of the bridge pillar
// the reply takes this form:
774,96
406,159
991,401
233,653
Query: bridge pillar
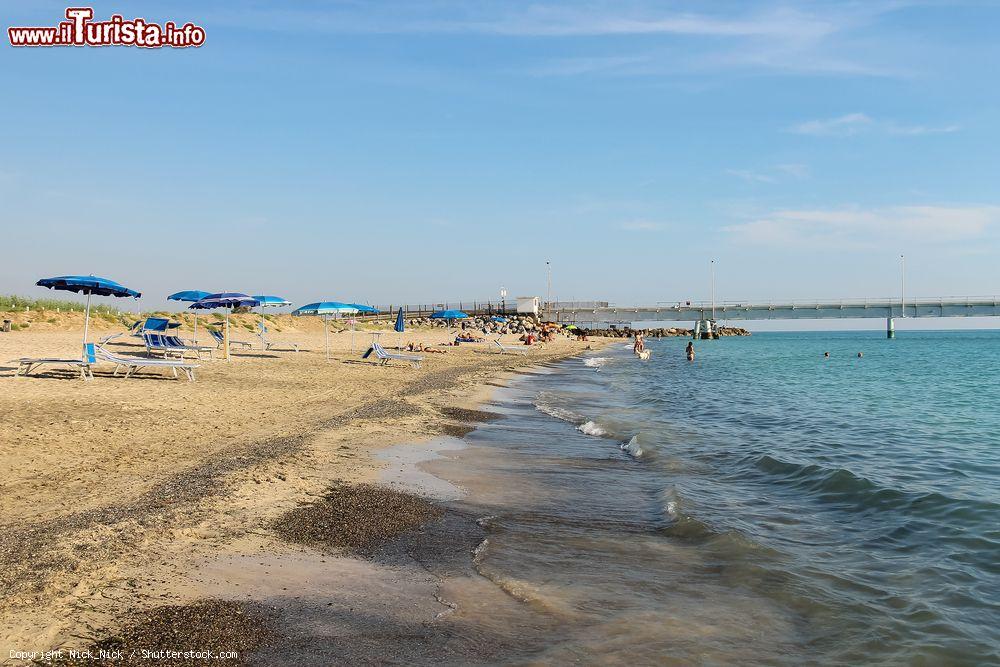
890,328
705,330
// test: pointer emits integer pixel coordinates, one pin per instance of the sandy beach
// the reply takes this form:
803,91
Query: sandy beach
128,497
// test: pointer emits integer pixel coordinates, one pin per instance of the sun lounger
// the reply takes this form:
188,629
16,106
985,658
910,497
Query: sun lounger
26,365
262,331
385,357
172,345
152,325
133,364
220,339
505,349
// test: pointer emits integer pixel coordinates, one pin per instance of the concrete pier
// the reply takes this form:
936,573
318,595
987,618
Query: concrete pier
890,328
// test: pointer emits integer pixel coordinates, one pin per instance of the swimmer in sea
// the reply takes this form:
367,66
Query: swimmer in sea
826,355
690,351
638,346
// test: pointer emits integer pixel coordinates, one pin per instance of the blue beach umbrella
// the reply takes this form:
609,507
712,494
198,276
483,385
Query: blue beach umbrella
361,308
449,315
90,285
227,300
326,309
267,300
400,325
191,296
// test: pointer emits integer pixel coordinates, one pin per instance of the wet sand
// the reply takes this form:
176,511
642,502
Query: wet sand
122,496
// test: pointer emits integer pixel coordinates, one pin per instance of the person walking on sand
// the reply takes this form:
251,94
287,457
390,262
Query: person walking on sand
690,351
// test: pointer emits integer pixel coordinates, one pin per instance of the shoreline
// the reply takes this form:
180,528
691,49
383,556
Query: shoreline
141,554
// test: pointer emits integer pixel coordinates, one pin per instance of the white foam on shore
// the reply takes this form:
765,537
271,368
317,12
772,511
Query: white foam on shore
596,362
591,428
403,468
557,412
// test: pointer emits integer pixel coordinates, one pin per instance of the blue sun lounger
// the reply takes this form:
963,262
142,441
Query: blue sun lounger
172,345
385,357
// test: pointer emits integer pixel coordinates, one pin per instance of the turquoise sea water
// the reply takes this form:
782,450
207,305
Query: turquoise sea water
759,505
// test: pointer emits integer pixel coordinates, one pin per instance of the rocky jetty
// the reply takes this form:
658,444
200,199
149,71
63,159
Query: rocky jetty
519,324
666,332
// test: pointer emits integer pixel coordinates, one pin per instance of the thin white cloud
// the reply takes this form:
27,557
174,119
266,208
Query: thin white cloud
752,36
859,227
643,226
856,123
535,20
841,126
750,176
915,130
773,175
795,170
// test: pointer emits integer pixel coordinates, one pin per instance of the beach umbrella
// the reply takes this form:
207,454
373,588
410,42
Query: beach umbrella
227,300
90,285
361,308
191,296
400,325
266,301
449,315
326,309
497,318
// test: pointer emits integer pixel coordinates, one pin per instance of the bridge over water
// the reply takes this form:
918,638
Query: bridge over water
704,315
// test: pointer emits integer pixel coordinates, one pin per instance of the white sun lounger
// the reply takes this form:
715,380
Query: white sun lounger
220,339
385,356
504,349
261,332
133,364
25,365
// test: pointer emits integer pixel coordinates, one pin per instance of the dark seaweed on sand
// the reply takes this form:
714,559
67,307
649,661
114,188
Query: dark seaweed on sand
357,518
212,625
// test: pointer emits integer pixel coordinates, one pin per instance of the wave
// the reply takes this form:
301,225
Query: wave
565,414
596,362
591,428
632,447
840,485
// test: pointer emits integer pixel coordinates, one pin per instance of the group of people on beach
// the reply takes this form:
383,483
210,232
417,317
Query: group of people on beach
639,346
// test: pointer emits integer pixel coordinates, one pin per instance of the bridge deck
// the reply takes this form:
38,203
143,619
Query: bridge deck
875,308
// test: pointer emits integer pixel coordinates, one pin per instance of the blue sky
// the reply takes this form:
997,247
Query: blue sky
410,151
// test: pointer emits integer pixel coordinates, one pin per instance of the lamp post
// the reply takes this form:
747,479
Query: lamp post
548,293
503,300
713,289
902,285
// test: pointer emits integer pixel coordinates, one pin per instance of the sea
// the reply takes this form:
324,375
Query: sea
762,504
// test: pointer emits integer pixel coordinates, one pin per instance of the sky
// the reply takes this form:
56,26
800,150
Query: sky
432,150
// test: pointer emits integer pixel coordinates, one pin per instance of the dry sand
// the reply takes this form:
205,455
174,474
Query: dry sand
116,491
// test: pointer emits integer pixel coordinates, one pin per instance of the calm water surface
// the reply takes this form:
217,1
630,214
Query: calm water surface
759,505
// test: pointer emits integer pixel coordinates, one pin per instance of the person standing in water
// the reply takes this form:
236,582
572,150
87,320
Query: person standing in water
690,351
638,346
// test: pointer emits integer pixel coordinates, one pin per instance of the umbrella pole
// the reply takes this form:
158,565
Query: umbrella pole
226,336
86,326
326,331
352,336
263,343
196,327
